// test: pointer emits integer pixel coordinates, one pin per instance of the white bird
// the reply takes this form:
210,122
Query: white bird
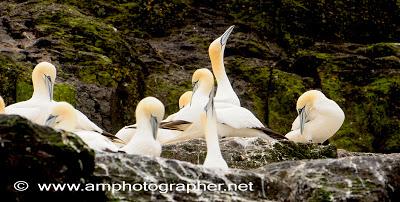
232,120
319,118
225,92
37,107
149,113
183,101
127,132
2,105
208,121
63,116
34,109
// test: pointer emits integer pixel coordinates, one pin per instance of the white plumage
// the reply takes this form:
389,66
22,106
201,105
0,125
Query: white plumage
208,118
63,116
127,132
225,92
36,108
322,118
232,120
149,113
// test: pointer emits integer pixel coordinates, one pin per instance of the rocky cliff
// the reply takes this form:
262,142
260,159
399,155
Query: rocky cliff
37,154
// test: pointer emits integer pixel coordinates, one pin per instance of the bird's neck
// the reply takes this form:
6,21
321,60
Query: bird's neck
217,64
144,129
211,137
40,90
200,98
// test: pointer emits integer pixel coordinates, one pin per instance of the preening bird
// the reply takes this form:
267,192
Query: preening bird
149,114
36,108
63,116
319,118
225,92
208,121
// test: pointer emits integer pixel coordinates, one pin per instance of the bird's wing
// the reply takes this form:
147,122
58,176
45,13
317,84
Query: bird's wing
126,133
85,124
179,125
191,113
32,114
97,141
169,118
236,117
23,104
296,123
165,136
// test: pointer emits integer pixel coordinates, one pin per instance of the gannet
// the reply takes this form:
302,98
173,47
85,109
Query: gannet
127,132
63,116
37,107
2,105
34,109
232,120
225,92
149,113
208,121
319,118
183,101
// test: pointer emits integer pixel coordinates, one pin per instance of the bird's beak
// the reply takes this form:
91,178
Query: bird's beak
154,126
49,84
225,36
195,87
50,120
303,116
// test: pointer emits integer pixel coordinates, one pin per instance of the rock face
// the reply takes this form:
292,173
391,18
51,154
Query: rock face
248,153
109,55
38,154
363,178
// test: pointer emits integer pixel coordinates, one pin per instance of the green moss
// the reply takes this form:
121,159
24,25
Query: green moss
320,194
319,55
383,49
65,92
199,42
24,91
168,92
286,89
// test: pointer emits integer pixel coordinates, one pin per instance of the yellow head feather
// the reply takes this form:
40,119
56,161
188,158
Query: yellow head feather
2,105
44,68
150,106
308,98
185,99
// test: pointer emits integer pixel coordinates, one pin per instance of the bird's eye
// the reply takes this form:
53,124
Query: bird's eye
57,122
